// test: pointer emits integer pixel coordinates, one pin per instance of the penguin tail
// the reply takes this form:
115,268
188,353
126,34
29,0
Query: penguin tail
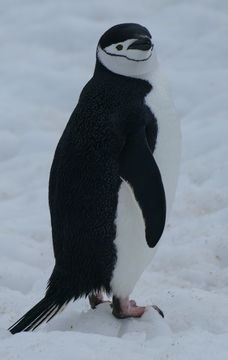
44,311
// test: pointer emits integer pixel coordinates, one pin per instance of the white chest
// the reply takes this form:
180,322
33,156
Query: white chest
133,254
168,147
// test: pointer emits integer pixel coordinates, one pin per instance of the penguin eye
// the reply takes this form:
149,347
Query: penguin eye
119,47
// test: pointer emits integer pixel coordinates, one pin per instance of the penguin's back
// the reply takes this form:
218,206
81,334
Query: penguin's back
83,195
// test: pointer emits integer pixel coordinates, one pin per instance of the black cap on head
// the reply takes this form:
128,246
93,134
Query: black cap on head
122,32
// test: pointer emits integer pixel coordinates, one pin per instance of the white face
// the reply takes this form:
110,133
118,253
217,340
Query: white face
128,62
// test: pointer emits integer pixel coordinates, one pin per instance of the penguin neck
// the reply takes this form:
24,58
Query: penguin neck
154,68
120,83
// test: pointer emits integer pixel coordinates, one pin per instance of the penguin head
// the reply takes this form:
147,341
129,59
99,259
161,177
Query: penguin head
126,49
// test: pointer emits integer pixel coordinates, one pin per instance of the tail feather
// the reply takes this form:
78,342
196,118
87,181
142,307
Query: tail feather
45,310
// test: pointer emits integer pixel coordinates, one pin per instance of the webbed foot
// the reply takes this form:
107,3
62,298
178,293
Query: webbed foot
125,308
96,299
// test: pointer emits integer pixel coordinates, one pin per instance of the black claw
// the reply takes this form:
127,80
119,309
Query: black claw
161,313
158,310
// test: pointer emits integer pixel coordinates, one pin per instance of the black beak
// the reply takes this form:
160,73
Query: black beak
143,43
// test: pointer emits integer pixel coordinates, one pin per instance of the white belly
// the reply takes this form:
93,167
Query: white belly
168,148
133,254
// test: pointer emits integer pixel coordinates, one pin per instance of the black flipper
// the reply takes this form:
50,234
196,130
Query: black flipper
139,169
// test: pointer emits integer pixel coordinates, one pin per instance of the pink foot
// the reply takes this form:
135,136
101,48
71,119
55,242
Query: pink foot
96,299
124,308
133,302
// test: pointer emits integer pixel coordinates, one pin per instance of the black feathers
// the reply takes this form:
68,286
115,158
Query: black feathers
144,177
45,310
122,32
85,180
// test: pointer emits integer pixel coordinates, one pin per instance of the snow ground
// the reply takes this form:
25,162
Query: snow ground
47,55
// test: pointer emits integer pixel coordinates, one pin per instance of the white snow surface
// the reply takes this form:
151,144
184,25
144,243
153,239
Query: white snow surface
47,55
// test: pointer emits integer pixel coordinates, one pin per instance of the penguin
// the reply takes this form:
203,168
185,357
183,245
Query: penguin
112,180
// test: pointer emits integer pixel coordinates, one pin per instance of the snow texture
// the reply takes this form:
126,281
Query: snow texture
47,55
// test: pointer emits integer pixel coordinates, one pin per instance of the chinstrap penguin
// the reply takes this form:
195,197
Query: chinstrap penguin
112,180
